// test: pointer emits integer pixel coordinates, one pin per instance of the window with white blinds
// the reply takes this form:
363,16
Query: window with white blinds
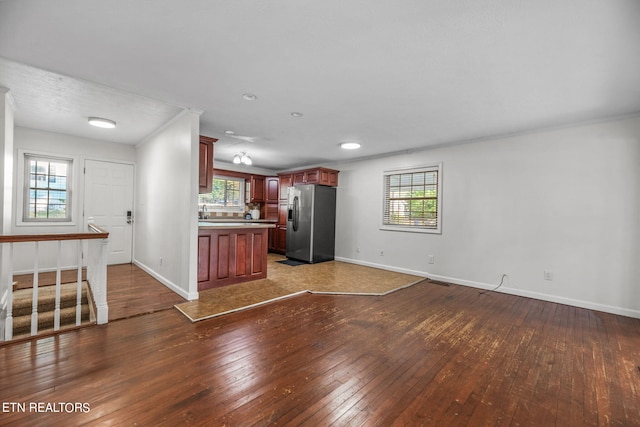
412,199
47,190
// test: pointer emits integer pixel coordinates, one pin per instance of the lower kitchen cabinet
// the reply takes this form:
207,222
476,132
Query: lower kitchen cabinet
279,239
228,256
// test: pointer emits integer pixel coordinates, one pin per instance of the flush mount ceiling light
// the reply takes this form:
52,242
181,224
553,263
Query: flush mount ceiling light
349,145
296,114
229,132
242,158
249,97
102,123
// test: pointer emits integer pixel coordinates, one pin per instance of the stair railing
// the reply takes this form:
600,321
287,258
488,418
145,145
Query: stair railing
96,276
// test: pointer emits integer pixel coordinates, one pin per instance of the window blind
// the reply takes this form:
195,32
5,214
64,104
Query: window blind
411,198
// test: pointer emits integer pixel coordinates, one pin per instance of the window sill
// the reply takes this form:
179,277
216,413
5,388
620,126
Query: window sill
411,229
46,224
238,209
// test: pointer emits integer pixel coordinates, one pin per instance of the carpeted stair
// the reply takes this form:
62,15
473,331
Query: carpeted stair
22,307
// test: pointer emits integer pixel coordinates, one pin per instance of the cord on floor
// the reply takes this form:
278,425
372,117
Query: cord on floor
494,289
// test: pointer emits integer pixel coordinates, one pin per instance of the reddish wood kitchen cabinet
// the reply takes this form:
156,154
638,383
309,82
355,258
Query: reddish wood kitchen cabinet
279,236
256,193
272,186
271,198
227,256
205,177
322,176
284,181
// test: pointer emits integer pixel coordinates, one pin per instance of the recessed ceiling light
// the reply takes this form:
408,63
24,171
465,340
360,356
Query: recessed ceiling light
229,132
349,145
102,123
249,97
296,114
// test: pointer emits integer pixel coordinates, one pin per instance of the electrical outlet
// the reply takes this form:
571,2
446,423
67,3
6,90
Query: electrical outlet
432,259
161,261
548,275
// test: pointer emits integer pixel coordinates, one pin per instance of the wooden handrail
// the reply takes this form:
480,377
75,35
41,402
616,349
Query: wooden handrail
95,229
96,233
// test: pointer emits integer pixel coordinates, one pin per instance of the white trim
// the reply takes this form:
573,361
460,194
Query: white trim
20,183
383,267
228,209
9,97
541,296
168,283
511,291
409,228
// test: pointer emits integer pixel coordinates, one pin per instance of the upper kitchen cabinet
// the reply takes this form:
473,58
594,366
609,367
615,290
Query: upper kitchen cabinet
256,193
284,181
322,176
205,178
272,184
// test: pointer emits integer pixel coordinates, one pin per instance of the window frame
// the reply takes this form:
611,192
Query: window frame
23,194
216,208
436,167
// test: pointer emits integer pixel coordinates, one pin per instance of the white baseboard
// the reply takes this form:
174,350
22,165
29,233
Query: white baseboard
383,267
542,296
512,291
168,283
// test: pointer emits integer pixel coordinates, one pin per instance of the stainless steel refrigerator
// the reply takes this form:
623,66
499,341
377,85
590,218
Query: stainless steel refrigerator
311,223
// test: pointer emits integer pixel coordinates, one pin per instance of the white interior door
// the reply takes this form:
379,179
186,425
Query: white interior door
108,198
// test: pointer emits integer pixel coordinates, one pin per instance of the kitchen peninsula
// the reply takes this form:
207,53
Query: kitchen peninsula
231,252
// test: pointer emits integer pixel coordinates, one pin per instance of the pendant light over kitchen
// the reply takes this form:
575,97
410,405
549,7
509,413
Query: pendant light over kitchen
242,158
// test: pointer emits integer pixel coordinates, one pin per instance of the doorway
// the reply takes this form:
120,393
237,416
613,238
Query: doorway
108,199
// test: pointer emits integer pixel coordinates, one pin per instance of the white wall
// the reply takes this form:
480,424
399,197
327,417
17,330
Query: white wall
7,110
79,149
565,200
7,113
166,205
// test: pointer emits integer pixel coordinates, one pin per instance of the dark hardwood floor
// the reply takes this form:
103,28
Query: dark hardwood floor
132,292
425,355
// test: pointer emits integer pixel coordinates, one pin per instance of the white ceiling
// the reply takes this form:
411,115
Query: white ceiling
393,75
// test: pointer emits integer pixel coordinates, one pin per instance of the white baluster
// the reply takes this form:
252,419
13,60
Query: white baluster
34,306
8,326
79,286
56,313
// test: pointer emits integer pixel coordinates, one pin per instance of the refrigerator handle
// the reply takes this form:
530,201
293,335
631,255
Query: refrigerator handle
296,213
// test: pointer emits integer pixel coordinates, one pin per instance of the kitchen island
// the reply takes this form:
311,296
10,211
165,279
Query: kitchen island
231,252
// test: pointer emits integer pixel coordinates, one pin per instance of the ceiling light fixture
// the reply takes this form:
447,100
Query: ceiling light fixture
102,123
229,132
349,145
242,158
249,97
296,114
